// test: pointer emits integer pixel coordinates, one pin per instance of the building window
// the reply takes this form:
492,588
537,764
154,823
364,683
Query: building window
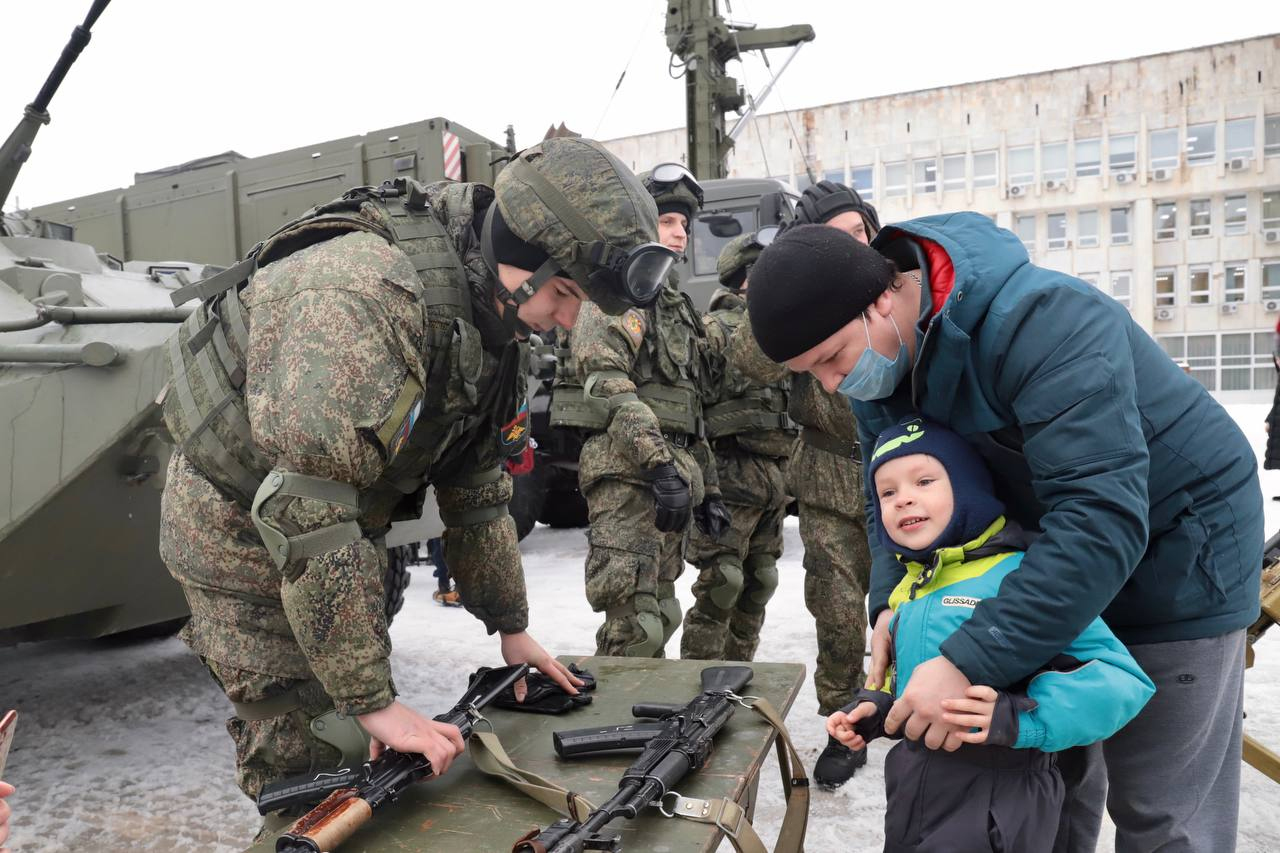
1201,224
1240,360
1053,161
1235,218
1122,287
1245,363
1271,279
1233,281
1022,165
862,181
1087,229
1123,154
1164,148
953,172
1120,217
1056,231
1198,286
1239,141
1271,136
802,182
985,169
1201,143
1088,278
1166,288
895,179
836,176
1166,220
1270,210
926,175
1025,228
1088,158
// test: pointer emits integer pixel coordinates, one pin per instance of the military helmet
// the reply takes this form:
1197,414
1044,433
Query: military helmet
578,203
674,188
740,253
826,200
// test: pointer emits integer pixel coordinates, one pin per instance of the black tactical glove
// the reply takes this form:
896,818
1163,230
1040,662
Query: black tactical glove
670,497
713,517
544,696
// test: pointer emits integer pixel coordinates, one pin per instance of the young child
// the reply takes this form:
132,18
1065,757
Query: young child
1001,789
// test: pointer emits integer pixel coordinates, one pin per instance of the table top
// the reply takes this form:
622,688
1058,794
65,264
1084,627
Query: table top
469,811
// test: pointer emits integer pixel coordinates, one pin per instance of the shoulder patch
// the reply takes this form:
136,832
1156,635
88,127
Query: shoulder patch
633,324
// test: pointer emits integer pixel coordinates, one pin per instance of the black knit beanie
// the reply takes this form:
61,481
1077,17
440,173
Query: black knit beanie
510,249
676,206
808,284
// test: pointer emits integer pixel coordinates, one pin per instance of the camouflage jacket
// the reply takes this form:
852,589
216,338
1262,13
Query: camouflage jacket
741,412
341,385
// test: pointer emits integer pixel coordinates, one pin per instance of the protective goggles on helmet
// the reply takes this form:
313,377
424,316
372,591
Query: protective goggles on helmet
767,235
638,272
666,175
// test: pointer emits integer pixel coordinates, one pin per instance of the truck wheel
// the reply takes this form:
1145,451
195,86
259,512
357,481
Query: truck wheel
396,579
528,494
564,508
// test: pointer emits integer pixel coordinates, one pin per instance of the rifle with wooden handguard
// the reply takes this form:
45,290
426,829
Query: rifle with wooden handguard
348,797
670,749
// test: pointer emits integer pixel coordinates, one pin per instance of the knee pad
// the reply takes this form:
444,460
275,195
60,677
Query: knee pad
669,610
344,734
725,594
763,571
654,636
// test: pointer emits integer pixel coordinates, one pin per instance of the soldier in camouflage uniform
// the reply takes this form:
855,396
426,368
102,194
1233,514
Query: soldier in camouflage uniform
752,437
362,352
632,383
825,477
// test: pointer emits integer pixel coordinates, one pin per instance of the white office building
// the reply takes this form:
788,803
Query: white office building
1156,178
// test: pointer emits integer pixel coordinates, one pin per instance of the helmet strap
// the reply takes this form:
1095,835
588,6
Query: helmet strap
512,300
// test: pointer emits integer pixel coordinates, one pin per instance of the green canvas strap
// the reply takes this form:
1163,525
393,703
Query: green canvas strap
491,758
304,546
210,287
273,706
830,444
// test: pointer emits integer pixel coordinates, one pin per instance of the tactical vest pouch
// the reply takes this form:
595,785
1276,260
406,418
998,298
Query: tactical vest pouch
677,407
759,409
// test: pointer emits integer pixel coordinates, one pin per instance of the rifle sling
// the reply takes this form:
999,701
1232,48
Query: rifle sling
731,818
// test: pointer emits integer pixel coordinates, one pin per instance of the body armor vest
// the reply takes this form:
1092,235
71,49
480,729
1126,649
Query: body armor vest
205,408
666,373
741,406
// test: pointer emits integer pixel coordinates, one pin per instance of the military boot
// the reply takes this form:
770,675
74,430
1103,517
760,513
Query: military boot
837,764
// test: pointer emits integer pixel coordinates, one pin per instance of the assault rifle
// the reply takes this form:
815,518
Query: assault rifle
348,797
1264,759
670,750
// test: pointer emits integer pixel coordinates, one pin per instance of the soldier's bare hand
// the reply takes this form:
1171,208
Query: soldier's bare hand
880,641
405,730
5,790
918,711
521,648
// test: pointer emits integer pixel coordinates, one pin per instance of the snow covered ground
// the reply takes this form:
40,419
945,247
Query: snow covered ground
120,747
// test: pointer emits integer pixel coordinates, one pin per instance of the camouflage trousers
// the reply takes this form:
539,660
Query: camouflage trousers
837,567
631,570
240,631
738,574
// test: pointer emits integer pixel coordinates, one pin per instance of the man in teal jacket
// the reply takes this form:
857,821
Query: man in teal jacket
1144,491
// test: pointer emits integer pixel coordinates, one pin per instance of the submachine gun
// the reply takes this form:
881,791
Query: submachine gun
1256,754
348,797
680,743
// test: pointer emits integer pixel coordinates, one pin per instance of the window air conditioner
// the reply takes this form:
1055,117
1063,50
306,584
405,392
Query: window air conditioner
1230,307
1271,306
1052,184
1016,190
1271,235
1161,174
1164,313
1126,177
1238,164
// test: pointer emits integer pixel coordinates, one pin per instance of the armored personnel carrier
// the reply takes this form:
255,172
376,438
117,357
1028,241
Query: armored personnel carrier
82,448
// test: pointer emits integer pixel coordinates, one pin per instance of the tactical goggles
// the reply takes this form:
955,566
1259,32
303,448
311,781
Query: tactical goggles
767,235
666,175
638,272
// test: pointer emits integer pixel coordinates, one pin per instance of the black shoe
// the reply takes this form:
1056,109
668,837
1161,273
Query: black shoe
837,764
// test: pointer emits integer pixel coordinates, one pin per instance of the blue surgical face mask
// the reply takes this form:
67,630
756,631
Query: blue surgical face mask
875,376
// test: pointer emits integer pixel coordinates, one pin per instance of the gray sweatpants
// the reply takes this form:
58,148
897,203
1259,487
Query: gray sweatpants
1171,778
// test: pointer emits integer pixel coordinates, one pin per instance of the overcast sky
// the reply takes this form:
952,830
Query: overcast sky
165,81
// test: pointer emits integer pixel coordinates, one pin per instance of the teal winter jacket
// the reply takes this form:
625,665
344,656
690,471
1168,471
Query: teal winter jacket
1144,490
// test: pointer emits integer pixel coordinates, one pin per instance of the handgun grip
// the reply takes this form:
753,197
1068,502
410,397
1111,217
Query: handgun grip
656,710
576,742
